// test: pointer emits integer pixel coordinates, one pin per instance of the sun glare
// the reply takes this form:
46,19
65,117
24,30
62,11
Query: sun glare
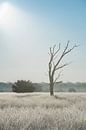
4,10
6,14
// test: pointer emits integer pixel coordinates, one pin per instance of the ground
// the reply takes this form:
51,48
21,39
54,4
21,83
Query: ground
39,111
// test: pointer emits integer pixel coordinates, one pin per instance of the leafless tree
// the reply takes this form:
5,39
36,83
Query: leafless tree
55,63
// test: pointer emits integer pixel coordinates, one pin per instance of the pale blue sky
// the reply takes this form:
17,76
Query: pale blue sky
29,27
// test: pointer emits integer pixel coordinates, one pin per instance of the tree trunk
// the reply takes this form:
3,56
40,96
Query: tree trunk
51,89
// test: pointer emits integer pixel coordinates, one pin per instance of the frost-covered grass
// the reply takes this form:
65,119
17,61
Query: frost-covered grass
39,111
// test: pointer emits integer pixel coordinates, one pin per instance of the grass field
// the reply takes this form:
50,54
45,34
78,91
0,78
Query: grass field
39,111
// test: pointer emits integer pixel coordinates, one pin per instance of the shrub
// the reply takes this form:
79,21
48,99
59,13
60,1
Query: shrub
23,86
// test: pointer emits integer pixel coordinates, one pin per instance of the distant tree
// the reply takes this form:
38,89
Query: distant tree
23,86
72,90
55,63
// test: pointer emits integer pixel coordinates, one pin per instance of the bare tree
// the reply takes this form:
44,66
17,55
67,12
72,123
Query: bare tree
55,63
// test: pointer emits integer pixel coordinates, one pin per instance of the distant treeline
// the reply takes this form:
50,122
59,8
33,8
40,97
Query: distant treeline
44,87
62,87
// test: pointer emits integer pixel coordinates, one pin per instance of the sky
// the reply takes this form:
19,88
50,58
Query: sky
29,27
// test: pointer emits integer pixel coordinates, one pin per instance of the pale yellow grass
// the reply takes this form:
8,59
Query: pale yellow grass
39,111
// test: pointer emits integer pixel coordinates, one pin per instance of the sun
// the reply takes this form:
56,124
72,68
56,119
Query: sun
12,17
4,9
6,14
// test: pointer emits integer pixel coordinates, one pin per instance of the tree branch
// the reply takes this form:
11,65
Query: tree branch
70,49
60,67
58,49
54,48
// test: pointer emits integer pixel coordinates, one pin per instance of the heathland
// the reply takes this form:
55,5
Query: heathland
39,111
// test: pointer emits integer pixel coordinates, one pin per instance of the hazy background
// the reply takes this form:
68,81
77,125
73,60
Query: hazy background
29,27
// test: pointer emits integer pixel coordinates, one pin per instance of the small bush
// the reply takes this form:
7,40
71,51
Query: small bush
23,86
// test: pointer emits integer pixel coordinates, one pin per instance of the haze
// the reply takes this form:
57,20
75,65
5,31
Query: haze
27,30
